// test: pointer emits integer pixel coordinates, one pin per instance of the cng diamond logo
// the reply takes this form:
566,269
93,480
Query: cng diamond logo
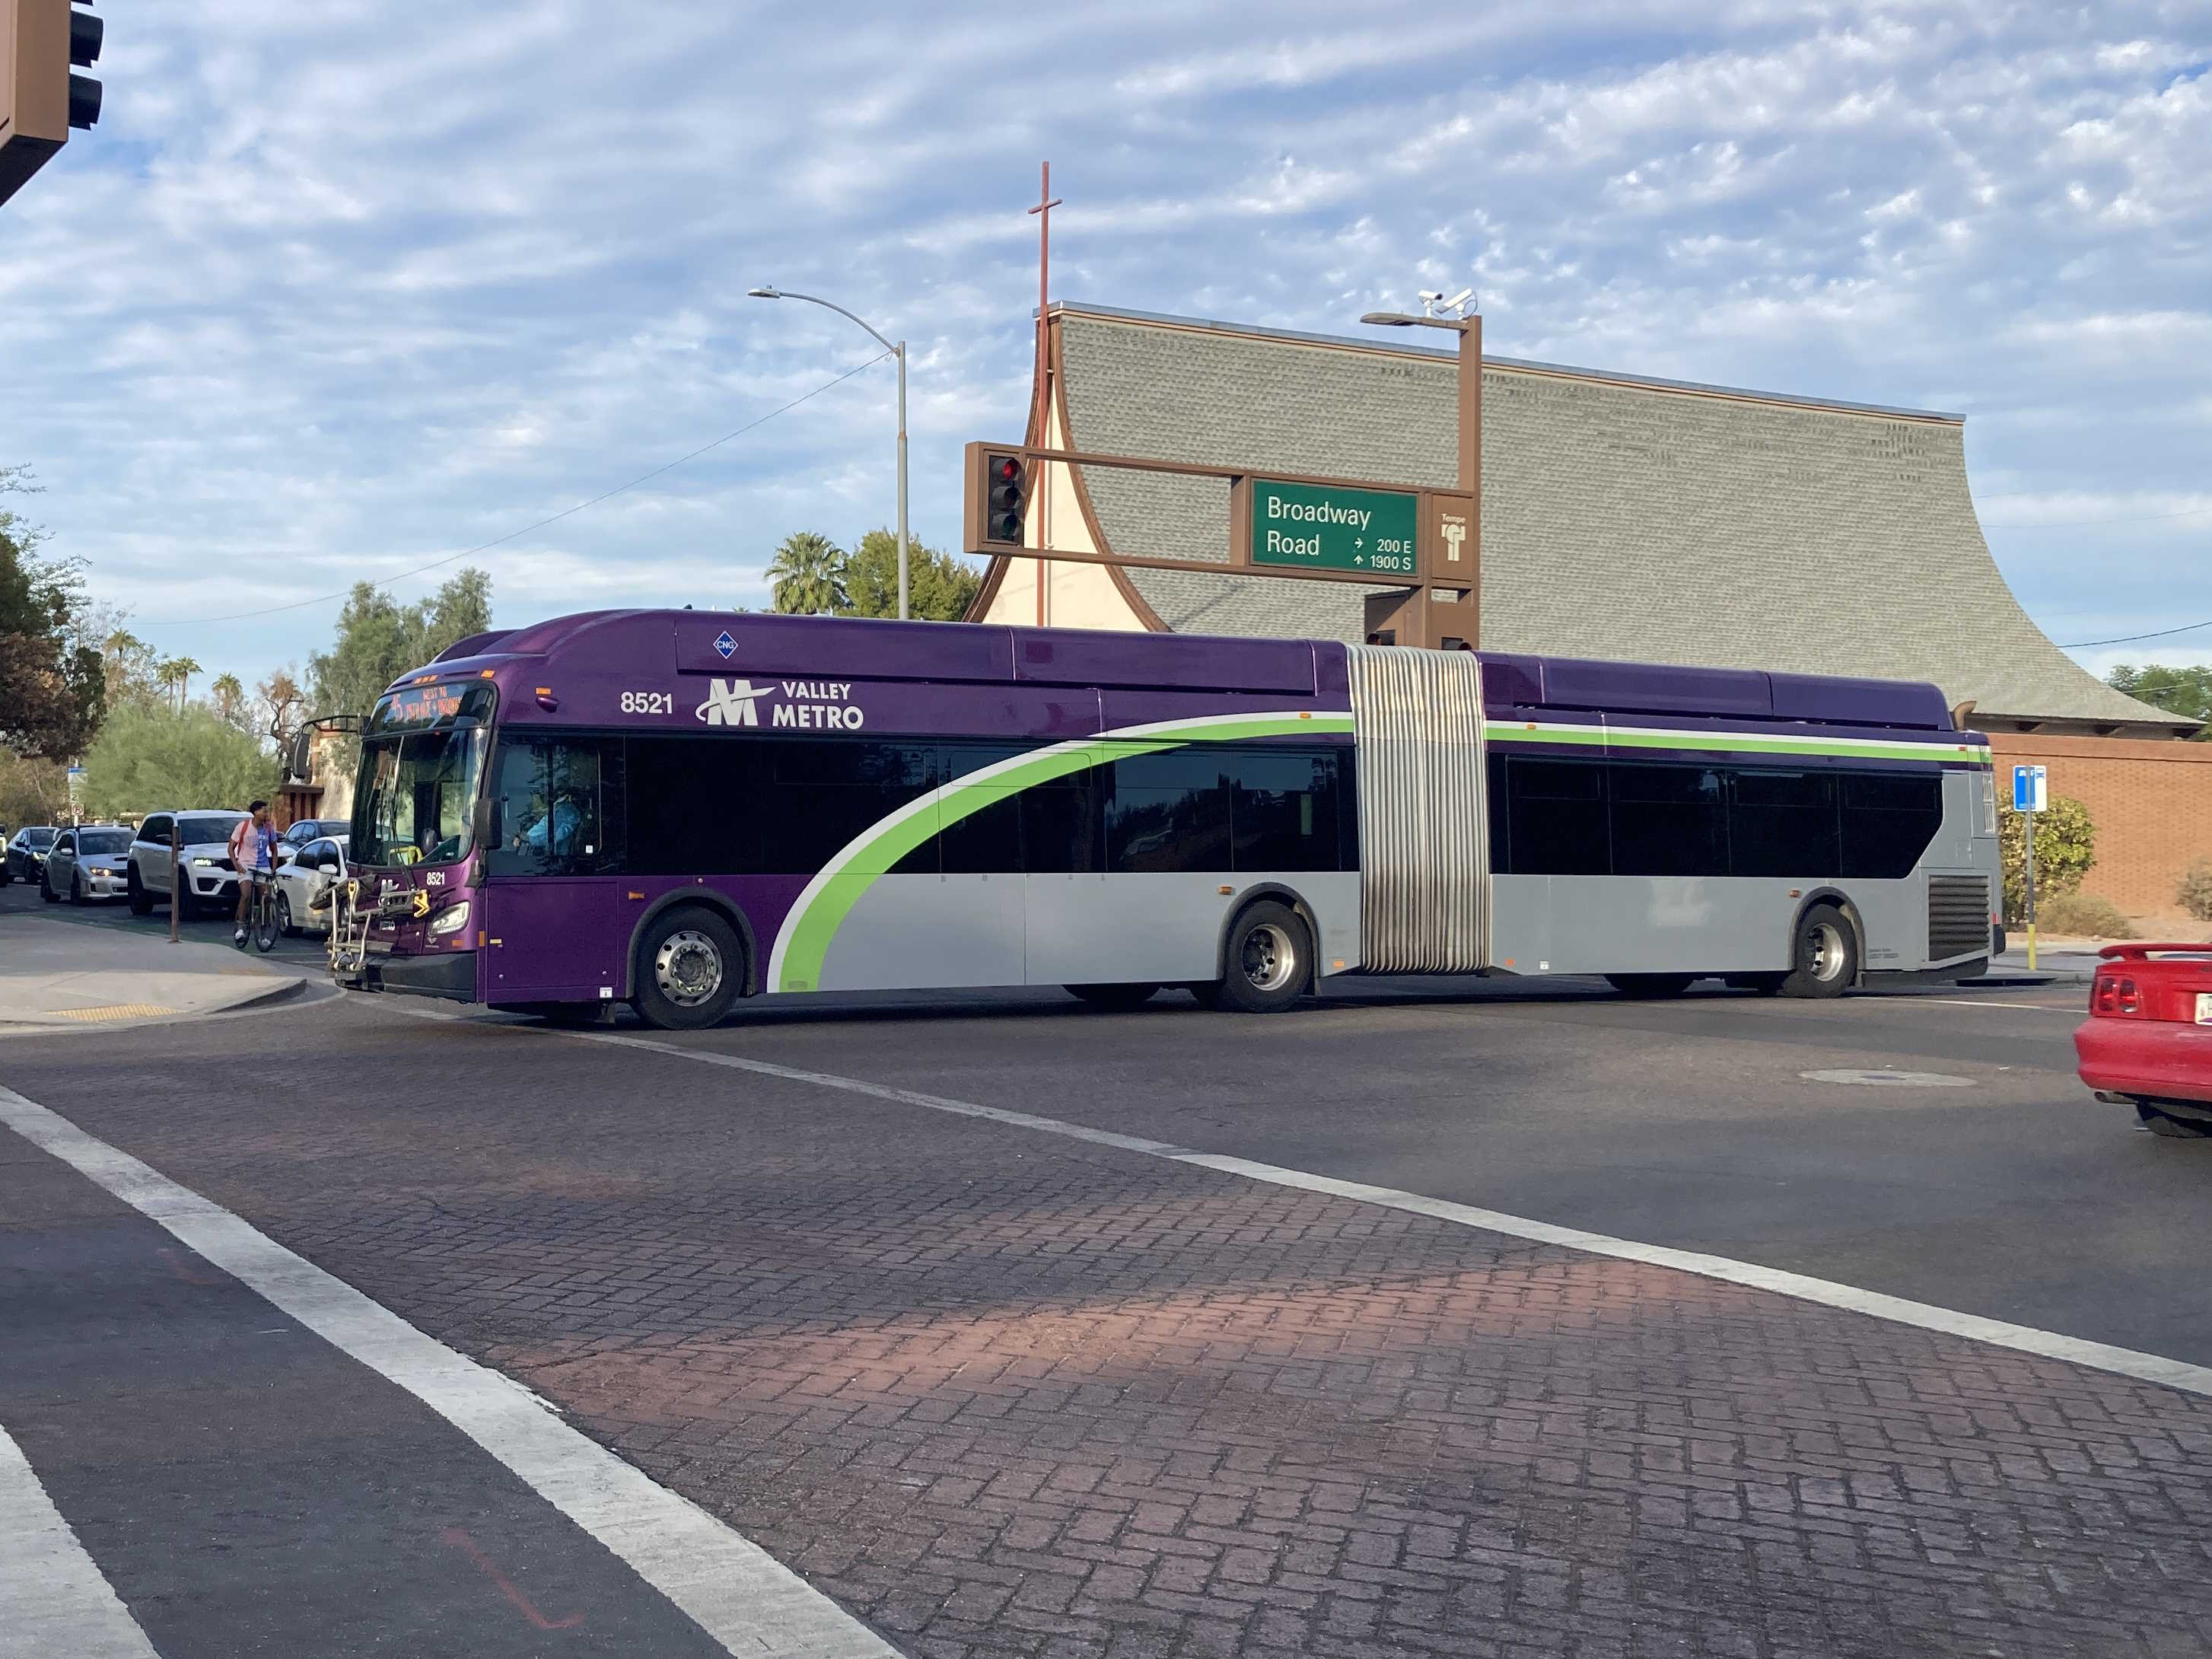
725,644
731,702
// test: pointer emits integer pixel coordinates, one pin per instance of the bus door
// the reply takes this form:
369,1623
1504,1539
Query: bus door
551,892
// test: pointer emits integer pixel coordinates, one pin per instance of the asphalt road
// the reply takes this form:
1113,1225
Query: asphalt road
997,1389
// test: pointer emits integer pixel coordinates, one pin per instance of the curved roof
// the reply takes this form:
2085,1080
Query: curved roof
1623,518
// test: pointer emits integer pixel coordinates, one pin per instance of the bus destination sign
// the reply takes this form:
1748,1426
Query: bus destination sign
1327,527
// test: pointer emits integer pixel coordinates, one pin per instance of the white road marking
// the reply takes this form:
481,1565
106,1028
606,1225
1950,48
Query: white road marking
1964,1002
2048,1345
733,1588
1887,1079
53,1600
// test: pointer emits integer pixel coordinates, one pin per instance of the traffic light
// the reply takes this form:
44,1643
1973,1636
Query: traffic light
997,497
1006,507
40,97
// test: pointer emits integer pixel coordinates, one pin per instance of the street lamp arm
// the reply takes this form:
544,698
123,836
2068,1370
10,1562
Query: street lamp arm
815,299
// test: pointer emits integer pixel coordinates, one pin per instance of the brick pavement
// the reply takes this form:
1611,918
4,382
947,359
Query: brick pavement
1008,1395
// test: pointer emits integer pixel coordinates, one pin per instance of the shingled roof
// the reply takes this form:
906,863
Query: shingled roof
1622,517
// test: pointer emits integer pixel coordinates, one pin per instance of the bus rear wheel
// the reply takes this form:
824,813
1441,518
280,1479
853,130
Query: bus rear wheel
1825,959
1268,963
689,969
1116,997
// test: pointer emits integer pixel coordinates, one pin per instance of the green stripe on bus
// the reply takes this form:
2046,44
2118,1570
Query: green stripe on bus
807,935
1735,742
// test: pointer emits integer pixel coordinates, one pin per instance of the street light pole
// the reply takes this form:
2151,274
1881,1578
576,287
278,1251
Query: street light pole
1468,325
898,350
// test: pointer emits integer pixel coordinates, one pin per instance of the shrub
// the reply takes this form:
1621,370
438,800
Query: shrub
2194,893
147,760
2082,915
2065,849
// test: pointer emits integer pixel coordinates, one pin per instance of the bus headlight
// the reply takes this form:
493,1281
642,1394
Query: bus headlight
451,920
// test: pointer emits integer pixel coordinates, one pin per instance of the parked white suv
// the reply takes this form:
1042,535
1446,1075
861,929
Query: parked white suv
209,880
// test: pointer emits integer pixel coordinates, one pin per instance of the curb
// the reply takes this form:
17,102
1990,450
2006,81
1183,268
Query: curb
282,992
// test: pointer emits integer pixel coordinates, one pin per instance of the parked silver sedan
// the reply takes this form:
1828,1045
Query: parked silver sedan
85,863
306,877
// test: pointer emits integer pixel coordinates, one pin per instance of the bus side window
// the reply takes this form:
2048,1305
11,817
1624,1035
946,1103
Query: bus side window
1168,812
1669,818
1559,818
694,804
1282,807
1889,818
552,807
1782,824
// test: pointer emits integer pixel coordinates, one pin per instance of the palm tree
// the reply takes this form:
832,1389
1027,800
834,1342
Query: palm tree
230,694
176,672
808,574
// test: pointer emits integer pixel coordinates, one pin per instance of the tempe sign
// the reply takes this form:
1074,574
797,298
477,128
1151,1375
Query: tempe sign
1323,527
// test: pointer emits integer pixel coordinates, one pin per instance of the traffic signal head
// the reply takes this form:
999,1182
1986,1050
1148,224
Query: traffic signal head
41,98
1007,498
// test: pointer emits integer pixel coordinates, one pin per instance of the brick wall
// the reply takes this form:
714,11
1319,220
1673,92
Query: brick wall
2150,800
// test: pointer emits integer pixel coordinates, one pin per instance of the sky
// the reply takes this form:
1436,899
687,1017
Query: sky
337,291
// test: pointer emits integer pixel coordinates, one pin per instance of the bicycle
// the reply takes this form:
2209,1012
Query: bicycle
260,913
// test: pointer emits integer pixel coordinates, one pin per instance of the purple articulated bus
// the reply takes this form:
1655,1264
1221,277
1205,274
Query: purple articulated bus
677,809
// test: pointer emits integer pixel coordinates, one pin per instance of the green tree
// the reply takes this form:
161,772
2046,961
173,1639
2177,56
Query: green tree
2065,850
807,576
143,761
938,585
32,790
52,690
2184,691
378,640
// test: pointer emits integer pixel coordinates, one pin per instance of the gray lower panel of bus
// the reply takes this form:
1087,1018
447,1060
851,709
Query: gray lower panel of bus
1696,925
910,932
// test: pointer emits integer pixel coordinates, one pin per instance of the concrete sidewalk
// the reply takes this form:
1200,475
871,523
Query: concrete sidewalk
57,974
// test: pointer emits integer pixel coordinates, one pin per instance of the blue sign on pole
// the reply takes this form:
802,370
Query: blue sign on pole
2028,788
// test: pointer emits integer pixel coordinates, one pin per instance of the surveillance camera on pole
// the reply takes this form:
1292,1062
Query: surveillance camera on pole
41,98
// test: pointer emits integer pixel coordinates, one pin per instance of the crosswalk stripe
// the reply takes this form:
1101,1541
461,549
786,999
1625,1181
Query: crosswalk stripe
733,1589
53,1599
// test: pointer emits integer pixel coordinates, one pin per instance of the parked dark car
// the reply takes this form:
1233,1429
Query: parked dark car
26,853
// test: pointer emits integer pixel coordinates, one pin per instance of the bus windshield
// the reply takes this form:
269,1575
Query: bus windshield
420,761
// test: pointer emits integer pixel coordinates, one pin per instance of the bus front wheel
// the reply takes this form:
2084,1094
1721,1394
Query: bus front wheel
689,969
1269,963
1825,959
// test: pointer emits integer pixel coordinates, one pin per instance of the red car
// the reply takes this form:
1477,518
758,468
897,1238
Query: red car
2148,1043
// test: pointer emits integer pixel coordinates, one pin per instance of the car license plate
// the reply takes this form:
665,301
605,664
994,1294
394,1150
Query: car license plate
2204,1007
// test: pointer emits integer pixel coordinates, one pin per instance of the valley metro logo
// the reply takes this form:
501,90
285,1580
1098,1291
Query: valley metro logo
731,702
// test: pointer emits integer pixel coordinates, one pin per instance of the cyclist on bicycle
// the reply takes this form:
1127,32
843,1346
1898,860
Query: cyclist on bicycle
252,850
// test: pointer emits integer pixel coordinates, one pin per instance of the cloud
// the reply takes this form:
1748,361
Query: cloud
335,291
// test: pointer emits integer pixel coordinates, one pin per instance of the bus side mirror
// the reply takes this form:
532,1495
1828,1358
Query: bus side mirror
483,831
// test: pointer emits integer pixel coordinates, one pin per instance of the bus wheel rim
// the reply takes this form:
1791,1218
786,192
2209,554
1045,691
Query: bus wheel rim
1268,958
688,968
1827,954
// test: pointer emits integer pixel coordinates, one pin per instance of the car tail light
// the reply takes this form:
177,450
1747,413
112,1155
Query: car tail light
2115,994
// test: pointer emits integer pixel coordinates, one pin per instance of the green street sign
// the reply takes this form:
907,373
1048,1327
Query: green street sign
1326,528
